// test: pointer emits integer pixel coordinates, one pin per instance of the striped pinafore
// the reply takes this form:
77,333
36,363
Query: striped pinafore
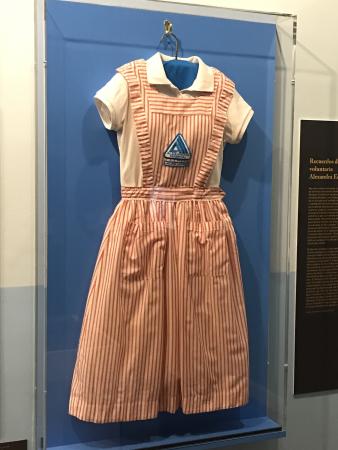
165,323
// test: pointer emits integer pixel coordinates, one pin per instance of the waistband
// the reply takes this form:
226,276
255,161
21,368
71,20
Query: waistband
172,193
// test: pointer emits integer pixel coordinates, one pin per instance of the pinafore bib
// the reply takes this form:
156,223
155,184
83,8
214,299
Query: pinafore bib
165,325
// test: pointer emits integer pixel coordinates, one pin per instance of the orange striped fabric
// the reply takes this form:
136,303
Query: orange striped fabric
165,324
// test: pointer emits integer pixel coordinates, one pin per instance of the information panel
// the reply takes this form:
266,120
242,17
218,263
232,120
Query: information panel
316,364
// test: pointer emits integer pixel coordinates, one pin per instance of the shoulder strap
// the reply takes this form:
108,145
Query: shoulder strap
135,74
224,90
130,71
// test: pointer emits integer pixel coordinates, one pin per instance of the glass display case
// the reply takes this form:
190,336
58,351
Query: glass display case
79,47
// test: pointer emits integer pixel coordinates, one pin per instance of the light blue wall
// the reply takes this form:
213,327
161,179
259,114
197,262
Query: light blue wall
17,363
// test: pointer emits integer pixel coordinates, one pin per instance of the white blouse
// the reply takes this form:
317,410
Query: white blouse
115,111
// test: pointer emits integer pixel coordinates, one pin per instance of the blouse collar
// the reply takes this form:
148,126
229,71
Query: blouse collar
204,80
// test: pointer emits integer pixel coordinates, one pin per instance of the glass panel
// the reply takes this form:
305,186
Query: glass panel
79,189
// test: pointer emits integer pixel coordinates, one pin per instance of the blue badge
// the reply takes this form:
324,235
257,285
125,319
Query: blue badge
177,154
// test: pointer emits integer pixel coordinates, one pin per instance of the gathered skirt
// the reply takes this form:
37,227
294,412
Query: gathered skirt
164,325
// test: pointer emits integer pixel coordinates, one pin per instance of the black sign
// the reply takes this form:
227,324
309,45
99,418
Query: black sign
316,346
14,445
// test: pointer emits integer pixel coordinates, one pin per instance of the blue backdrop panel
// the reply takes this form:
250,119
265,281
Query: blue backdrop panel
85,43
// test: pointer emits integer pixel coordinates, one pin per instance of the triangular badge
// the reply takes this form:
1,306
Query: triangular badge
177,154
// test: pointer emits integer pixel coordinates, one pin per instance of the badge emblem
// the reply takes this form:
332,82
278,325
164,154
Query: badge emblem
177,154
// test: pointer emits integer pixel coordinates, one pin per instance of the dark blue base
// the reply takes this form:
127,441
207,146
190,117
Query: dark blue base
247,430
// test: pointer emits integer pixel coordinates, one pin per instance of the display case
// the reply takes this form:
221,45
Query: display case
79,46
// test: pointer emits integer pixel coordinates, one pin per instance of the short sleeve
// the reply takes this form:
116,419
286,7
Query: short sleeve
111,101
239,115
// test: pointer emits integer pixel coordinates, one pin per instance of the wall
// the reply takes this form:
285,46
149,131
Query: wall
312,422
17,219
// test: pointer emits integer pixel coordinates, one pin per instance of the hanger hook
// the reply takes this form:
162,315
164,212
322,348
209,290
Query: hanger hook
168,26
168,32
